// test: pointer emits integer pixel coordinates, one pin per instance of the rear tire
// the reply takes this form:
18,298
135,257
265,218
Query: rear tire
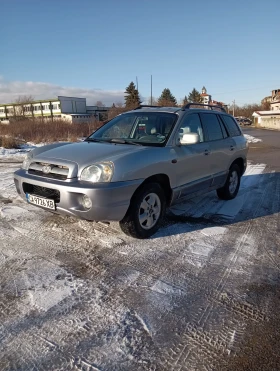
145,213
231,187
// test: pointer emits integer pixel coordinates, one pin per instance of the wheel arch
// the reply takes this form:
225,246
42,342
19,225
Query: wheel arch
163,181
240,162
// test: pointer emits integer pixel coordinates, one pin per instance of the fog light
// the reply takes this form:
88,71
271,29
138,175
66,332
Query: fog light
86,202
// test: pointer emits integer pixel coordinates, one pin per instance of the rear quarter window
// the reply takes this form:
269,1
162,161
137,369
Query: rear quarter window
232,127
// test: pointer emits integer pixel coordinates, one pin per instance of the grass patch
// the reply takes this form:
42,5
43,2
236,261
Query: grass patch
8,142
39,130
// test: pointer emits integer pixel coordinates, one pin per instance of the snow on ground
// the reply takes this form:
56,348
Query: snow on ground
17,154
81,295
252,139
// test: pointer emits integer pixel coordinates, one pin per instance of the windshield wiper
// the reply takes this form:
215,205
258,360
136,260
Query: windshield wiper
124,141
94,140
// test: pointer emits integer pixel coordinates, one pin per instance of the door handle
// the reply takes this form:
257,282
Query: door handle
232,148
207,152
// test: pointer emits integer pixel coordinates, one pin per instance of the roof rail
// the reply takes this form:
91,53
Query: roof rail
146,105
213,107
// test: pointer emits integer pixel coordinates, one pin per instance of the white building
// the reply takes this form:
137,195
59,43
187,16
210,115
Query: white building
267,119
206,98
72,109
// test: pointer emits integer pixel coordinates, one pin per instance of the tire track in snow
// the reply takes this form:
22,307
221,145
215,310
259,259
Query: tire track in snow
241,309
156,260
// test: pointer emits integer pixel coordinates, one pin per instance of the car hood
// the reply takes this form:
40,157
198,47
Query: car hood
87,153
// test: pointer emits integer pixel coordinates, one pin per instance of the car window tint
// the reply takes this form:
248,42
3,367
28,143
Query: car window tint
191,124
212,126
121,130
231,126
225,134
151,128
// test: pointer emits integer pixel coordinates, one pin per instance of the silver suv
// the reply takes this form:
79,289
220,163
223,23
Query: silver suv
136,165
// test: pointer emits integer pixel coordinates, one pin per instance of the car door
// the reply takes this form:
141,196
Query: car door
220,146
193,168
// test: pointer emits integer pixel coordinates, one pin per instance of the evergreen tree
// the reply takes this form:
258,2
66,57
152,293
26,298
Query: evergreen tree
185,100
132,98
167,99
194,96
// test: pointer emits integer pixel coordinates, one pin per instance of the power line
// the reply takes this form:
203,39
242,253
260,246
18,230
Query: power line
236,91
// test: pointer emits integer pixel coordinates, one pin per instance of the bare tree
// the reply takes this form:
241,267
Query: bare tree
246,110
153,101
99,104
20,103
116,109
266,106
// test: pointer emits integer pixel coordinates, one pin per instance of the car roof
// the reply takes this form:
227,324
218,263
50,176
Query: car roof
198,107
157,109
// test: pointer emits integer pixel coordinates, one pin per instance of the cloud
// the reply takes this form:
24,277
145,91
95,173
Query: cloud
11,90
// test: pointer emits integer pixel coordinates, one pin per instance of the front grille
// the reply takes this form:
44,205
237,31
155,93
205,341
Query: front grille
59,172
53,194
50,175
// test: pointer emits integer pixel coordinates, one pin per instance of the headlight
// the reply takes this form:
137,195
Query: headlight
102,172
27,161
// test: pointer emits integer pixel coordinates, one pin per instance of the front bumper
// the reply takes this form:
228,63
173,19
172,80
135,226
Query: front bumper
110,201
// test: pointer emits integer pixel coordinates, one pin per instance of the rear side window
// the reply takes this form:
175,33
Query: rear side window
212,126
231,126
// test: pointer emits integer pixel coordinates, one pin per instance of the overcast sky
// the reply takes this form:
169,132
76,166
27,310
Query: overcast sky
94,49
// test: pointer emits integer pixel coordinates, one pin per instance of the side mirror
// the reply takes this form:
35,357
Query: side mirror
190,138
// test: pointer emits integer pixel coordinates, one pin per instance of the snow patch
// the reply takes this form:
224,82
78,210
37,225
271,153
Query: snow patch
17,154
213,231
209,206
200,249
143,323
231,208
252,139
129,277
250,177
46,284
12,212
164,288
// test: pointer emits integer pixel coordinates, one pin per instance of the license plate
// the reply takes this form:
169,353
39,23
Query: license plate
40,201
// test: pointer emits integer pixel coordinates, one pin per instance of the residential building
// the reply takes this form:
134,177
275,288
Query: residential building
272,101
72,109
267,119
217,103
275,100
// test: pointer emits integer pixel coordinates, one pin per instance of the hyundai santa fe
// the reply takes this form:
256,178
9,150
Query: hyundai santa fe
137,165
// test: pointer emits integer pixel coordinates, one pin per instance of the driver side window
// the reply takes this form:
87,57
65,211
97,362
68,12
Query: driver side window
191,124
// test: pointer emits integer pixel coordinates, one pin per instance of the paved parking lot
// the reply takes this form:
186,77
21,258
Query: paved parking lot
202,294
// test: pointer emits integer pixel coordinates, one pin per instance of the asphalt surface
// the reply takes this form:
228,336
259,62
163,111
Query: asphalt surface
268,150
202,294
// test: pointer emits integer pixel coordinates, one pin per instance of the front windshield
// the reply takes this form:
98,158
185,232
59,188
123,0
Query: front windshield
152,128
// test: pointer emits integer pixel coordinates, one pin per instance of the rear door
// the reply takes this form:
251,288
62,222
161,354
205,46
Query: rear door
221,146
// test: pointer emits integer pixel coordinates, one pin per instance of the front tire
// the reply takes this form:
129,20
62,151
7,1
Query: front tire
145,212
231,187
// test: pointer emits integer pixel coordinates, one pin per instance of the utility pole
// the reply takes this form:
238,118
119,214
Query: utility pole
233,107
136,82
151,90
